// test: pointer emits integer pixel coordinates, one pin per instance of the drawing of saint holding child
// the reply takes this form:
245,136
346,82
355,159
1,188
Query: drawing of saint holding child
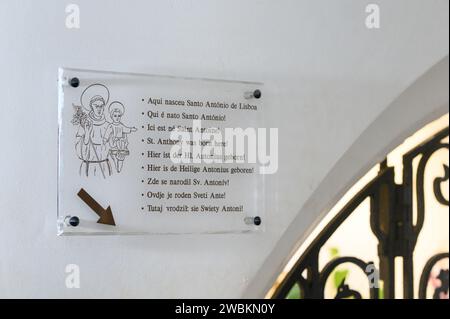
97,139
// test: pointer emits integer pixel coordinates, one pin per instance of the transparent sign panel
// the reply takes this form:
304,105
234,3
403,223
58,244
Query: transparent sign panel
146,154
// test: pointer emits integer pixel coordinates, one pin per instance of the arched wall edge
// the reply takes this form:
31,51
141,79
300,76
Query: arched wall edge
422,102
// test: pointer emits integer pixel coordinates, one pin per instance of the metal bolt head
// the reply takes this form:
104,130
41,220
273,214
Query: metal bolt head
74,221
257,220
74,82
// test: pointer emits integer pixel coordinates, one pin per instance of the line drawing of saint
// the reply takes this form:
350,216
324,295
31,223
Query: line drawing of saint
117,135
91,121
100,140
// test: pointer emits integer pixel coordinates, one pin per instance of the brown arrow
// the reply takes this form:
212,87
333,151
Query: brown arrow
106,216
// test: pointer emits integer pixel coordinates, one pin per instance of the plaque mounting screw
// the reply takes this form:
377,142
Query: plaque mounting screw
253,220
254,94
74,82
73,221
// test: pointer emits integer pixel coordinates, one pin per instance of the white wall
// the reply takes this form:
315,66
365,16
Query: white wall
326,77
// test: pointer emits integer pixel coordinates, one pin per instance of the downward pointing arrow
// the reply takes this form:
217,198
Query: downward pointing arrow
106,216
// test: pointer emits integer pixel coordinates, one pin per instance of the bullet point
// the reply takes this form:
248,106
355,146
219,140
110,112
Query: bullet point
142,100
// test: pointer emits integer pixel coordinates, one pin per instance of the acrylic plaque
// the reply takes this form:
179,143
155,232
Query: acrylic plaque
128,155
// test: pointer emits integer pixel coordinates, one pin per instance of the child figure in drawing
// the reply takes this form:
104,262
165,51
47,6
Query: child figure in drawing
116,134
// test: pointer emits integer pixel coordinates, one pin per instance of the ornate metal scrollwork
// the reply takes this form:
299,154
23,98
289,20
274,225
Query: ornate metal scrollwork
392,223
426,275
344,291
437,186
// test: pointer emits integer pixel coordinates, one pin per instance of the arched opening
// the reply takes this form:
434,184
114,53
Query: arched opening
424,101
388,236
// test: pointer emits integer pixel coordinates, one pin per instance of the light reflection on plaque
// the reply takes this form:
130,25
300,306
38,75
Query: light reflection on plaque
122,169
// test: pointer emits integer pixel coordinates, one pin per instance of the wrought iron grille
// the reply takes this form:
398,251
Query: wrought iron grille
397,214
